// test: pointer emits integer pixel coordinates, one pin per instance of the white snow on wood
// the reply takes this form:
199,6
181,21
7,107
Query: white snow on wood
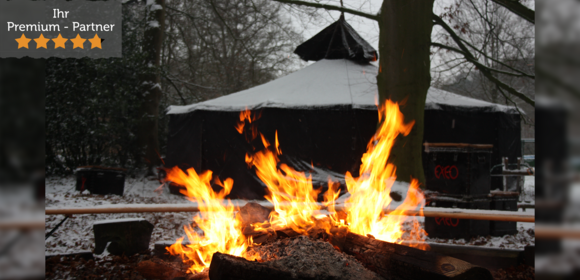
326,83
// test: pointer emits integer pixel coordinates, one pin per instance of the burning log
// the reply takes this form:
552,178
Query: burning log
228,267
394,261
252,213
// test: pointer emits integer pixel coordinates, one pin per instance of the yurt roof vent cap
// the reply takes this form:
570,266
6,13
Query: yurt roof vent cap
337,41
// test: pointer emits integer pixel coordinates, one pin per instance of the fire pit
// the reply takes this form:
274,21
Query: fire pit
304,239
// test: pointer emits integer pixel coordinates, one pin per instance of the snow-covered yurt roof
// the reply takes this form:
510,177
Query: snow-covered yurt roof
324,84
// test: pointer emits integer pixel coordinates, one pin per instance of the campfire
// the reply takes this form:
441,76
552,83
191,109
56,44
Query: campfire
253,239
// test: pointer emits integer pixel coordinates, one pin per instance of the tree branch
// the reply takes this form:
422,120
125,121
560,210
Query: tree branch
517,8
176,88
484,70
503,64
522,114
230,30
447,48
329,7
476,62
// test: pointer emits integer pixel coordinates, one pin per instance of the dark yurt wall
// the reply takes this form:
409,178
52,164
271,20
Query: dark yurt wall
325,115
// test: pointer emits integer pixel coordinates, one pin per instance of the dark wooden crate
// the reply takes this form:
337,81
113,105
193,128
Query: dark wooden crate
506,201
457,228
100,180
457,170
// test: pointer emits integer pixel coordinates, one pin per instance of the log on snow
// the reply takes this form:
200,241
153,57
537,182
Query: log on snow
394,261
228,267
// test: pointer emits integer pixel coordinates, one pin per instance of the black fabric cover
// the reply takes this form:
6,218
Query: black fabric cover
333,140
337,41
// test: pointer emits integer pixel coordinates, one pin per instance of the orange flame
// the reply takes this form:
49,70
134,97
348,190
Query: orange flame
370,193
221,230
294,198
247,116
290,191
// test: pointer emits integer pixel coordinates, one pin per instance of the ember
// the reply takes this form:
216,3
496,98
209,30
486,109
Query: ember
313,258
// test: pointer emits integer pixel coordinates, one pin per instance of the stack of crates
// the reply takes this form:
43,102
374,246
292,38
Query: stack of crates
457,176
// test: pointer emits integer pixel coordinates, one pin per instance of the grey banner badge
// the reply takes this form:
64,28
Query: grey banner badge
52,28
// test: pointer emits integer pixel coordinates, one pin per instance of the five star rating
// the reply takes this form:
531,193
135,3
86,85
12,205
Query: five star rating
59,42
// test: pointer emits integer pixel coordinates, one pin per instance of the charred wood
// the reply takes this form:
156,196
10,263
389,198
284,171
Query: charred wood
228,267
394,261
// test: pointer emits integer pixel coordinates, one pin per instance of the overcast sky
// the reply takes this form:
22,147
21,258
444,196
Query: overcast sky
367,28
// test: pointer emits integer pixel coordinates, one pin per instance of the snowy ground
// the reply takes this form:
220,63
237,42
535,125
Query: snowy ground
524,237
76,234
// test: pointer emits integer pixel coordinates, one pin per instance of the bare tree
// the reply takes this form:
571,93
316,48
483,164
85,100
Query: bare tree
216,47
405,28
500,40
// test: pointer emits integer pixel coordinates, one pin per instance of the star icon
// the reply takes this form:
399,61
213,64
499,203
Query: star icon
95,42
41,42
22,41
78,41
59,42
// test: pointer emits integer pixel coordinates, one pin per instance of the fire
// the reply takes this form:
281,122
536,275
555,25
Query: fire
247,116
369,194
290,191
295,200
221,230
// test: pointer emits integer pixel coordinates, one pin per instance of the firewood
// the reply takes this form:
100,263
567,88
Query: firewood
198,276
228,267
252,213
286,233
394,261
159,269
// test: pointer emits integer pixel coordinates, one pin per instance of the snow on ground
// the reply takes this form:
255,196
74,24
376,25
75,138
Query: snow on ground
76,234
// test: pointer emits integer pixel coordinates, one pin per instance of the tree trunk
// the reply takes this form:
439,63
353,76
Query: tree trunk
394,261
404,77
151,89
